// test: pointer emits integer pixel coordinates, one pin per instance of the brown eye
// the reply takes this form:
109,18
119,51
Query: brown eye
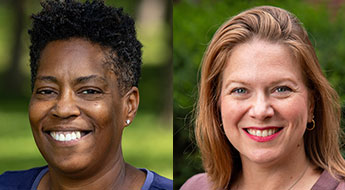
91,91
90,94
45,92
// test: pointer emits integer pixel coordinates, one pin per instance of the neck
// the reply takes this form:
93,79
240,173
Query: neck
292,172
115,175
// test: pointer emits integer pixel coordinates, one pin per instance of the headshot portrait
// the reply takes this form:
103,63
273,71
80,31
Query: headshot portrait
267,114
85,60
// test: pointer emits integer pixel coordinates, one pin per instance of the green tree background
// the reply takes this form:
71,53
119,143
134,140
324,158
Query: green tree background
195,22
147,143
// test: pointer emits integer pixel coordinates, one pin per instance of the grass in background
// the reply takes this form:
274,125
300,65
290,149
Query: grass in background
147,143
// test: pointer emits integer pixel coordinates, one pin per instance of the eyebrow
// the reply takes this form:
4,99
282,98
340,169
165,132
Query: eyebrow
227,84
284,80
83,79
48,79
271,83
86,79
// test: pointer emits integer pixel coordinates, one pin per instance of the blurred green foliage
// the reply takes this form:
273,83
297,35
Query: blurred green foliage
194,24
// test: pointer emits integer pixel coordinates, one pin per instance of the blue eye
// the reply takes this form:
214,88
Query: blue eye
239,91
282,89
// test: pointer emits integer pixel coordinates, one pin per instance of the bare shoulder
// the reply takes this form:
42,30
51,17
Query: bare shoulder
198,181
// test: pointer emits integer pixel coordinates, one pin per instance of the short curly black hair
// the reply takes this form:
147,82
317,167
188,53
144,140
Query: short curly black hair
94,21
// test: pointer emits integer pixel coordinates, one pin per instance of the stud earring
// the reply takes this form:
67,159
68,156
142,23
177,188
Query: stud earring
128,121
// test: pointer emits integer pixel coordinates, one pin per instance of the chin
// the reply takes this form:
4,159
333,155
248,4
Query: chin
69,164
263,156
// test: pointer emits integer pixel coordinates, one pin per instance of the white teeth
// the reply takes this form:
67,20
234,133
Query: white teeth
61,137
68,137
78,134
53,134
65,136
73,136
262,133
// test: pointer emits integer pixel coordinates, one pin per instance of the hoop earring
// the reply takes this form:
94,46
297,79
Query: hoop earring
310,129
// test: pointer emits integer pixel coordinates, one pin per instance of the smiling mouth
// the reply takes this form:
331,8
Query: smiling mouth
262,132
66,136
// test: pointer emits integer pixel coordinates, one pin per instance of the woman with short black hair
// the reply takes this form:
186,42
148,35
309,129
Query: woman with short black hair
85,69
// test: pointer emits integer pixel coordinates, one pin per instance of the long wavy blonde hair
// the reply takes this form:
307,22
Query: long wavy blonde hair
221,160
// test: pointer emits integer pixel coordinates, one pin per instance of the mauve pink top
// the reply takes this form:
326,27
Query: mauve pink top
325,182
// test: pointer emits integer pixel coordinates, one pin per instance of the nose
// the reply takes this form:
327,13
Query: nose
261,108
66,106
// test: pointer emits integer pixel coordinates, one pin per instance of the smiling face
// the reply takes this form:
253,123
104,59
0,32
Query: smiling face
265,104
76,111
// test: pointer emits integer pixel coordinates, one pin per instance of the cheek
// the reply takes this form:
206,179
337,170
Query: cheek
295,111
37,112
103,113
232,112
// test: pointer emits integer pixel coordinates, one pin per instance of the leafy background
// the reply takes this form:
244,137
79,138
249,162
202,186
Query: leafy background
195,22
147,142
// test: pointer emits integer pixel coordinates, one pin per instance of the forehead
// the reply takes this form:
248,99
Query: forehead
259,59
72,57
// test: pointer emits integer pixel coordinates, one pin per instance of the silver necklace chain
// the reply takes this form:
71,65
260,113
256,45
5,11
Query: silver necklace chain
298,178
293,183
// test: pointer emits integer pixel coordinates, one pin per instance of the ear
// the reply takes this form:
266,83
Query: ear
311,104
131,104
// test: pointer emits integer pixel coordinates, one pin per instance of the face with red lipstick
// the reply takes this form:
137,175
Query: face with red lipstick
265,104
76,112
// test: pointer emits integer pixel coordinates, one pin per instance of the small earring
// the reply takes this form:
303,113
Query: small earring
128,121
310,129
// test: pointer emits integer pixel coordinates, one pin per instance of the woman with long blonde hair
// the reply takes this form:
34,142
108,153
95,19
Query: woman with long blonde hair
267,118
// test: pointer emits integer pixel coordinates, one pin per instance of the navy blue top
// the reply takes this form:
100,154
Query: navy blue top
30,179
